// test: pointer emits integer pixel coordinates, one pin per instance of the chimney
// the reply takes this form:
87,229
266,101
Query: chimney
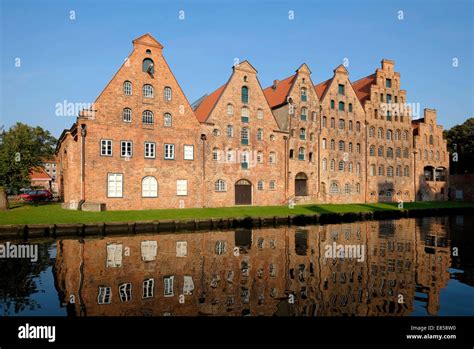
275,83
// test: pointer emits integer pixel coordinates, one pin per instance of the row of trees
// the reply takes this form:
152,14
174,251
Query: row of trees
22,148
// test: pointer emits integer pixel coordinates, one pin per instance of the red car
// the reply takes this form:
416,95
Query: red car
37,195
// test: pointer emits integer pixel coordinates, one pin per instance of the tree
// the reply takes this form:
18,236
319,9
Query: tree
23,148
460,140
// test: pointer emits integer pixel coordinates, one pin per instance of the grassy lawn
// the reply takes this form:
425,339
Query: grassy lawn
53,213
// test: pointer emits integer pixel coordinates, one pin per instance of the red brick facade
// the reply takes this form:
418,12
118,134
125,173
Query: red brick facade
142,146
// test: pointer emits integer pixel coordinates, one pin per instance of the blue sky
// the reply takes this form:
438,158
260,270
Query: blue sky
72,60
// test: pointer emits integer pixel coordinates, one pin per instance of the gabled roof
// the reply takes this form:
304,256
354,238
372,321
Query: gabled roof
362,87
322,87
38,174
278,96
148,40
208,103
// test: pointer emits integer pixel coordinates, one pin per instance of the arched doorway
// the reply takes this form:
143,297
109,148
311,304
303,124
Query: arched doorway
243,192
301,184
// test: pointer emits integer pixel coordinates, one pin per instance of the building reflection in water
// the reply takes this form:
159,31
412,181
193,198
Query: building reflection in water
275,271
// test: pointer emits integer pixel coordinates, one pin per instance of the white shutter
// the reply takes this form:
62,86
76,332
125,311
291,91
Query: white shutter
181,187
148,250
181,248
188,287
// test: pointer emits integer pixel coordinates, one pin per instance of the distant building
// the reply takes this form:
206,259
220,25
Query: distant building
40,179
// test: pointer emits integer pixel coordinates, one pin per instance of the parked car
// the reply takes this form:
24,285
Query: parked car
37,195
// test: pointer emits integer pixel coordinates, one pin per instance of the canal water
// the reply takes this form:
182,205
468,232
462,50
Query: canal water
406,267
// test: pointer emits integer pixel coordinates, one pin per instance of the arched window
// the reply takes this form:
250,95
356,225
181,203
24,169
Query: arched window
303,134
350,107
334,189
381,171
260,157
341,166
389,135
332,165
301,154
398,171
431,139
291,156
313,116
431,155
341,106
310,156
390,152
245,94
260,134
127,88
333,104
215,154
149,187
127,115
372,150
148,66
358,126
425,153
358,148
333,123
333,144
245,114
325,122
398,153
437,155
167,93
342,124
350,147
380,133
311,137
350,125
347,188
259,113
380,151
147,91
390,171
371,132
358,167
304,96
397,135
230,109
147,117
405,135
358,188
324,164
324,143
350,168
272,157
372,170
405,153
342,146
219,185
304,114
406,171
167,120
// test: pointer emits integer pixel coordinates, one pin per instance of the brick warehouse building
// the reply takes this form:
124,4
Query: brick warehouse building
142,145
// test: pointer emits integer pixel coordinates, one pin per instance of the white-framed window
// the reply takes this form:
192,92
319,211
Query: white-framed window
105,295
106,147
341,166
148,288
150,150
126,149
147,91
260,134
334,188
260,157
149,187
127,88
324,143
272,157
168,286
114,185
148,250
114,255
125,292
167,93
169,151
358,167
260,185
230,131
230,109
230,155
182,187
147,117
167,120
272,185
324,164
215,154
189,152
332,165
127,115
219,185
220,247
259,114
